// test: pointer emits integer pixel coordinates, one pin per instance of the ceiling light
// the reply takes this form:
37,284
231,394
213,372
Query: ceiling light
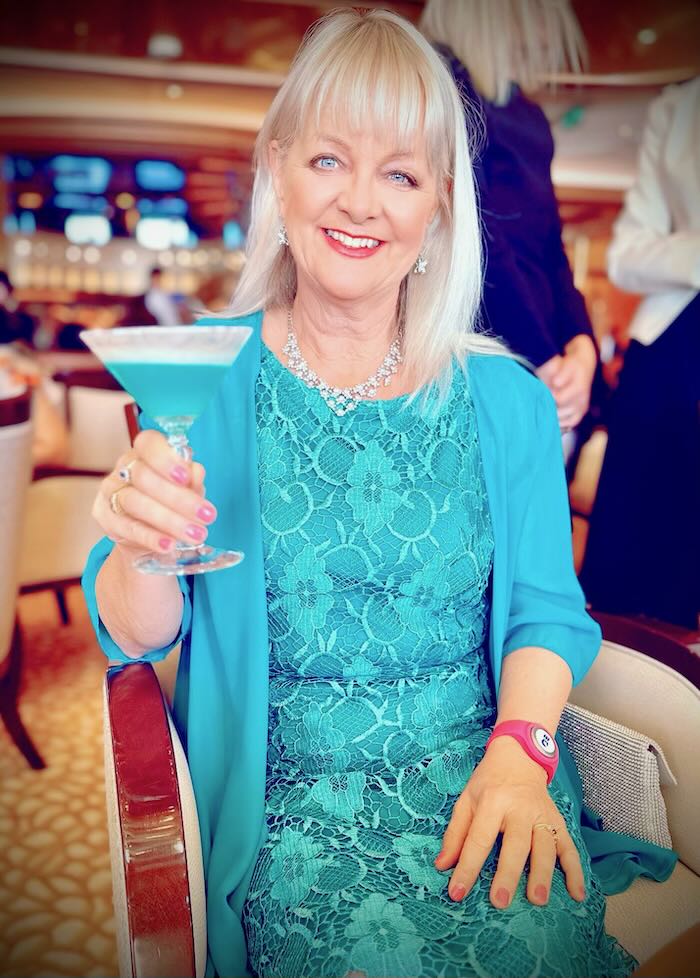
647,35
164,46
30,199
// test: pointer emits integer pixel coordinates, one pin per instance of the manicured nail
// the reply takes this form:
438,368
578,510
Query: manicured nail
165,543
179,474
502,897
206,513
195,532
458,891
541,893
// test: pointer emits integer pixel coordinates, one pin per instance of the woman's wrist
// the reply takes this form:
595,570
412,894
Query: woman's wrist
509,753
140,611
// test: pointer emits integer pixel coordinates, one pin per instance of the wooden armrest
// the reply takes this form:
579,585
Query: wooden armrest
677,648
155,934
49,471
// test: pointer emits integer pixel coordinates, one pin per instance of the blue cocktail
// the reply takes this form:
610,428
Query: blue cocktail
172,372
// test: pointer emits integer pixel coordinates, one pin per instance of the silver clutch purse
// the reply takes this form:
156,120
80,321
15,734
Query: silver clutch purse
622,772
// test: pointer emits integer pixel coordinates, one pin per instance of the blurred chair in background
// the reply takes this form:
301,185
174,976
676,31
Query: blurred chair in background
57,536
15,450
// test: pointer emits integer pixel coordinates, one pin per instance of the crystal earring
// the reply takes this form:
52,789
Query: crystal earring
420,265
282,236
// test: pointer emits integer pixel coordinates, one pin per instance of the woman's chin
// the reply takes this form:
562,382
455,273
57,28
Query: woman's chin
351,287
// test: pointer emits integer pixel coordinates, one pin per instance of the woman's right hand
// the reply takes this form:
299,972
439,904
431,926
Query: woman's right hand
162,502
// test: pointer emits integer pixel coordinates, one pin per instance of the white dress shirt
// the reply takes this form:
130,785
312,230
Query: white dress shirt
162,307
656,239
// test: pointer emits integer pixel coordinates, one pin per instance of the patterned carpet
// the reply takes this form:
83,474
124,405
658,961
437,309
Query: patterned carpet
55,887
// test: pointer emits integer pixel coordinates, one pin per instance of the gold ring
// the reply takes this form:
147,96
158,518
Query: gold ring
114,503
124,472
550,828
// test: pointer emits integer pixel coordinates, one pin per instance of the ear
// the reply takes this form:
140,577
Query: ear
275,159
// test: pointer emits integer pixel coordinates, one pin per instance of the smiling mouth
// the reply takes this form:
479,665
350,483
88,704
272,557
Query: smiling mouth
349,241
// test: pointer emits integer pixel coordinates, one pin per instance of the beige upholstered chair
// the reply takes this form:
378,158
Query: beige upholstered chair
658,694
155,842
96,428
59,532
15,473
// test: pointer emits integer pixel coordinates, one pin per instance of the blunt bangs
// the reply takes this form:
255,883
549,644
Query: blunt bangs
371,75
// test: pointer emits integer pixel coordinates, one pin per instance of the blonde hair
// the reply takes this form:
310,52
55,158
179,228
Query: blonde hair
374,65
505,41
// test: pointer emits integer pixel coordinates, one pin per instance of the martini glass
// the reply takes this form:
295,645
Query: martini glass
172,372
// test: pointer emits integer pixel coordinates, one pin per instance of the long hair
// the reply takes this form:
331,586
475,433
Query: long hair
374,67
505,41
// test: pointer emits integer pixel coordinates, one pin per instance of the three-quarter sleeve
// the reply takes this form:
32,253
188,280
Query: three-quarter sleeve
547,606
509,309
571,315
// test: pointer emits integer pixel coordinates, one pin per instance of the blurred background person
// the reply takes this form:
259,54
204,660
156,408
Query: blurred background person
162,306
644,540
498,50
14,323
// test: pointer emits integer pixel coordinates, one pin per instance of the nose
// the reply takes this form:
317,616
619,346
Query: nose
359,197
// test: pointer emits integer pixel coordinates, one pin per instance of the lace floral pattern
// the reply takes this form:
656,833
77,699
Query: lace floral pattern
378,551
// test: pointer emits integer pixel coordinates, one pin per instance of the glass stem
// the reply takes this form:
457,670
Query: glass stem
176,429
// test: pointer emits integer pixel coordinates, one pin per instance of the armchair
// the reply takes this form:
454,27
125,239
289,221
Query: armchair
158,875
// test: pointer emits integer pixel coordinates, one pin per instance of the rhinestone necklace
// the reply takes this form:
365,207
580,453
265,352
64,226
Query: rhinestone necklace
340,399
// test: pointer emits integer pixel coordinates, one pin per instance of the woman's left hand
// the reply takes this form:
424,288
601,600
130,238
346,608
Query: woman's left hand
507,793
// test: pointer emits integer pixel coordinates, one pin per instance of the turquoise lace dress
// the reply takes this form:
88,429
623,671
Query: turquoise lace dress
378,551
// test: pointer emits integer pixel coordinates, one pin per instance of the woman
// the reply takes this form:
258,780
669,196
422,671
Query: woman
642,550
496,51
406,534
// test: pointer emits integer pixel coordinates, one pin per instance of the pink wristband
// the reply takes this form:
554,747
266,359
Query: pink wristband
537,742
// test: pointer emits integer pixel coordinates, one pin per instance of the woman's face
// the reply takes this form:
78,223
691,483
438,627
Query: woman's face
356,208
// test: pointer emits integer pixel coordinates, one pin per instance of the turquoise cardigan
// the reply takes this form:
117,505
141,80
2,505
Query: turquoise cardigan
221,693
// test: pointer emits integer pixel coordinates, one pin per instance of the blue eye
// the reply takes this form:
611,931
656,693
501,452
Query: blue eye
325,162
397,176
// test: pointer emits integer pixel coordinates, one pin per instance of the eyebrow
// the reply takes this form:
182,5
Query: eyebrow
399,154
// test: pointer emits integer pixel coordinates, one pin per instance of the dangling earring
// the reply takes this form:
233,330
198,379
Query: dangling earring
282,236
420,265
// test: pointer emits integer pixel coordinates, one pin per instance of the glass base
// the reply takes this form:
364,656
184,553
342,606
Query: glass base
190,560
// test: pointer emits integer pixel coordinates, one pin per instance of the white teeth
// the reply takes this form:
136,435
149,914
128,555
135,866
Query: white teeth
352,242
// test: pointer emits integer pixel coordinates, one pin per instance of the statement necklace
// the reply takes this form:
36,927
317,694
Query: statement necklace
340,399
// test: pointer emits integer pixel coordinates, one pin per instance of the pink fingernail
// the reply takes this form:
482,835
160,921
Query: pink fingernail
502,897
206,513
580,893
179,474
541,893
458,891
195,532
165,543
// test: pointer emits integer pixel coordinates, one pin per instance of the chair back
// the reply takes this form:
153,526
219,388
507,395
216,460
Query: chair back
94,402
97,430
15,469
